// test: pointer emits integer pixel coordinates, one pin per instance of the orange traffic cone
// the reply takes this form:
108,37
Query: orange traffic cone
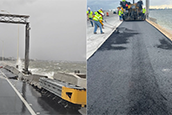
107,14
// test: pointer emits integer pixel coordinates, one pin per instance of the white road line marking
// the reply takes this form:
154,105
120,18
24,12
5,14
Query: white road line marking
38,113
22,99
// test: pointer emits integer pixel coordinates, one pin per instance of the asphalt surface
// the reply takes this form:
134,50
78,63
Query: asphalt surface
11,104
131,73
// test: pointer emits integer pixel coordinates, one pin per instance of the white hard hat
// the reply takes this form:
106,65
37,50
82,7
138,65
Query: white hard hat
88,8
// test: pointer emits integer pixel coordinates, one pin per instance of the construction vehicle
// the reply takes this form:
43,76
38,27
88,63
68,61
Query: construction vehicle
132,11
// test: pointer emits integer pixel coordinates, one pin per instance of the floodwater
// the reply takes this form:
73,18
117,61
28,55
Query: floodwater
49,68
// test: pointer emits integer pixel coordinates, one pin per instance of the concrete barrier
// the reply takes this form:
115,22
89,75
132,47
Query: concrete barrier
78,79
12,69
33,79
72,78
9,74
81,75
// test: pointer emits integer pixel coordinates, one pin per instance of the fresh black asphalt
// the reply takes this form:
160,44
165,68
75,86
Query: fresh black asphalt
131,73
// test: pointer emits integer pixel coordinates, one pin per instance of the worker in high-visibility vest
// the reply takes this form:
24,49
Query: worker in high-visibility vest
139,4
97,18
100,10
143,11
120,13
101,19
129,6
90,16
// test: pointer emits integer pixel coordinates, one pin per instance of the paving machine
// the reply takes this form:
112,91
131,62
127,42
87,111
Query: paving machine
132,11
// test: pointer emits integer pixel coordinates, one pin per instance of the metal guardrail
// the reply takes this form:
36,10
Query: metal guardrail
51,86
55,86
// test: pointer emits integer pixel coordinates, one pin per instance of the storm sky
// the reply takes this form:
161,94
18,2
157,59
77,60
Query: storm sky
58,29
113,4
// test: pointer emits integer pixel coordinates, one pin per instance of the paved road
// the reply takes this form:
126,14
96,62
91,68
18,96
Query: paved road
131,73
11,104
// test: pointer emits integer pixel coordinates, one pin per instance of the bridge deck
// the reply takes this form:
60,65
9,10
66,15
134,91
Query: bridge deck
11,104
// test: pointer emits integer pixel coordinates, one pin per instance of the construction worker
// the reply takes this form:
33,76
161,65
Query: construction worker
123,3
139,4
101,19
143,11
90,16
126,5
101,11
97,18
95,13
120,13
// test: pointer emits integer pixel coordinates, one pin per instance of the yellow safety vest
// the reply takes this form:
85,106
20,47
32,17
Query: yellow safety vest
129,6
144,10
95,13
101,18
122,11
119,13
97,17
90,15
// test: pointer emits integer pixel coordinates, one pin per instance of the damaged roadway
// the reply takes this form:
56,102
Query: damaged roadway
12,104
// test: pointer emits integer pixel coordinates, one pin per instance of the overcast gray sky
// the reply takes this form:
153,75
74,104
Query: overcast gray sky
113,4
58,29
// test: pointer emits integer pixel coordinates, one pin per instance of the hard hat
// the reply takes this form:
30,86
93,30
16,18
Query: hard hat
88,8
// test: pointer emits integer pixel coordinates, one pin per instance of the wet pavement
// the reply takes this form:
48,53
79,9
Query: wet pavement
131,73
11,104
